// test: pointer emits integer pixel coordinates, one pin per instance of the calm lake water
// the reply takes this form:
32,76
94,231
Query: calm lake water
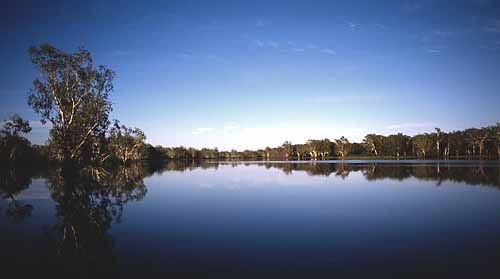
346,218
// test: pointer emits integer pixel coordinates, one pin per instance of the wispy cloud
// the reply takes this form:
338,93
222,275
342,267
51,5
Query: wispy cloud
412,7
259,43
432,50
272,44
228,129
201,131
443,33
493,26
329,51
344,98
210,26
269,43
183,55
494,46
213,57
353,25
262,23
411,125
292,46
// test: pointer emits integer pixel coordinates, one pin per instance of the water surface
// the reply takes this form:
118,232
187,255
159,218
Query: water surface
347,218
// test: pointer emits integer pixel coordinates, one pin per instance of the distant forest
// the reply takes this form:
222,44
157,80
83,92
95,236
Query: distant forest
73,96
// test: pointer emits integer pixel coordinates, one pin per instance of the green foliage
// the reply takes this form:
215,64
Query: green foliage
126,143
73,96
13,147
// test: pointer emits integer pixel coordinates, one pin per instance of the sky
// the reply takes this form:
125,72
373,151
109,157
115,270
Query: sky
250,74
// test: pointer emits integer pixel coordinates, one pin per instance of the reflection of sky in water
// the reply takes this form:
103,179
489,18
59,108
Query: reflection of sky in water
252,213
248,216
37,191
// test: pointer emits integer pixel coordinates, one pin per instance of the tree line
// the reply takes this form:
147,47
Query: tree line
472,143
73,96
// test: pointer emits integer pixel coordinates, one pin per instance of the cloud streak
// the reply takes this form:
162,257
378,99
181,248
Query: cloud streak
493,26
268,44
201,131
410,125
329,51
262,23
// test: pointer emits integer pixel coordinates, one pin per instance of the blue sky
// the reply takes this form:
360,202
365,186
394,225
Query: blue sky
246,74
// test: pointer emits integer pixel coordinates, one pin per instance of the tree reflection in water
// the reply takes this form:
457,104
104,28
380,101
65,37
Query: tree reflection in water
480,173
88,201
12,182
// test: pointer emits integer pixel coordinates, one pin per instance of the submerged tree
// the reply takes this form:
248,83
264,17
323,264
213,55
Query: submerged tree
496,135
373,143
343,146
287,149
73,96
14,147
438,142
126,143
422,144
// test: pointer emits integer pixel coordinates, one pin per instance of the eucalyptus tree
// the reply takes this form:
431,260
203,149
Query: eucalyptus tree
287,149
312,148
342,147
73,95
477,138
324,147
438,142
13,146
194,153
15,125
373,142
125,143
447,146
207,153
496,135
268,152
301,150
398,144
457,143
422,144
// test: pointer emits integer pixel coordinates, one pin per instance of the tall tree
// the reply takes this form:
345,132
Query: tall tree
15,126
438,142
301,150
287,149
13,146
73,96
398,144
496,134
372,142
342,147
125,143
422,144
477,138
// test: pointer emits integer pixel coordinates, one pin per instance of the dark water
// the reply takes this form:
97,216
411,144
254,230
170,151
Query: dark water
230,220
